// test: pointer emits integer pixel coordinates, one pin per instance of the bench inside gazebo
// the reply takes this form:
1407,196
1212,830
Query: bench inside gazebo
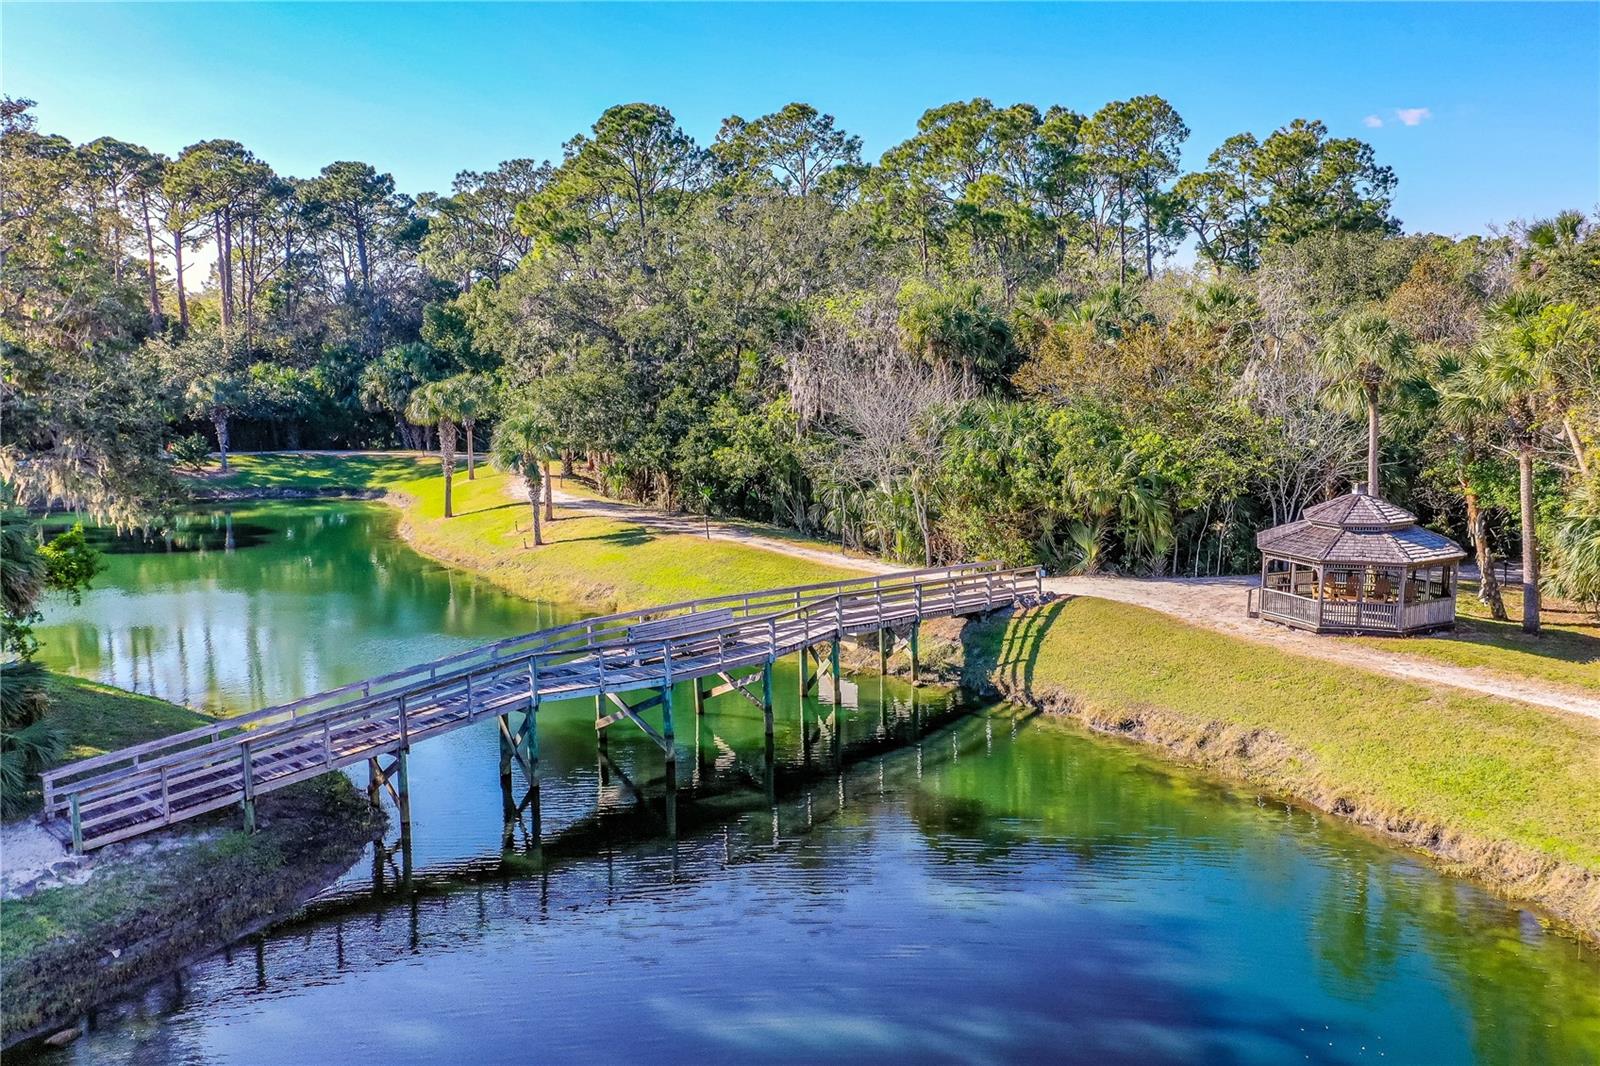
1358,564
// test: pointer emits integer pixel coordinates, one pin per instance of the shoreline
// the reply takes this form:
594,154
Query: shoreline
1567,892
1258,755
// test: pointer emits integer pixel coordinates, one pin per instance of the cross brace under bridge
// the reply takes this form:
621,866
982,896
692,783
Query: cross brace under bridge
135,790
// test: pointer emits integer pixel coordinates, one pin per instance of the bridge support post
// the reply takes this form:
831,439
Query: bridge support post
249,782
766,700
804,684
916,665
666,723
505,766
403,795
883,652
599,713
833,672
699,699
77,825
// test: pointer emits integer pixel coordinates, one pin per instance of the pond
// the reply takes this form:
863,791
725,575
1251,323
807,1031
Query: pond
921,878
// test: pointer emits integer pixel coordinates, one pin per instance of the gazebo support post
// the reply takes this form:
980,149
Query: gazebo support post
1400,609
1320,572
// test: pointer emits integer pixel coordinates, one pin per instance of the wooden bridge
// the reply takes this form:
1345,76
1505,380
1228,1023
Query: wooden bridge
721,644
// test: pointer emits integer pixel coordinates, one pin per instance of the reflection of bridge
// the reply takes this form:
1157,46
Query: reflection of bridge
731,641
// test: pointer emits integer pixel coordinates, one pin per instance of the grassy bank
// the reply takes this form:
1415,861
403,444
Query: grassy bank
151,906
1506,793
598,562
1566,651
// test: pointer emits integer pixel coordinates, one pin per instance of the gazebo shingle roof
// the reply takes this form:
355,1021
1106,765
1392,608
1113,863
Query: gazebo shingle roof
1357,510
1357,528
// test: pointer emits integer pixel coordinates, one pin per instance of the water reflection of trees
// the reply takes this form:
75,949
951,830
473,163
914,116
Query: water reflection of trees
1379,920
1004,794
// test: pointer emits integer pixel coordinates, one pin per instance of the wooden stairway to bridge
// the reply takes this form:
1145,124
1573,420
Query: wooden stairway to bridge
126,793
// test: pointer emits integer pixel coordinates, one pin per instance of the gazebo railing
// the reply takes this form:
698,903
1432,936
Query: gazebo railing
1440,612
1367,616
1348,615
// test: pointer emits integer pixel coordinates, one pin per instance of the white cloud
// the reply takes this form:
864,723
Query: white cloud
1372,122
1412,116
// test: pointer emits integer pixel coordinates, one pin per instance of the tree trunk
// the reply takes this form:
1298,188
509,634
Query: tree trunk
1372,443
447,459
219,422
922,524
1577,447
361,254
183,299
549,493
1478,530
472,459
535,490
1530,541
150,256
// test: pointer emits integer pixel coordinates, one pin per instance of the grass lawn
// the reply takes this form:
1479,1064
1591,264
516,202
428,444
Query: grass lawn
599,562
1494,769
1566,651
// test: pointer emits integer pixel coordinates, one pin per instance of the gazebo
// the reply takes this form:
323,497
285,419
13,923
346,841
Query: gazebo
1358,564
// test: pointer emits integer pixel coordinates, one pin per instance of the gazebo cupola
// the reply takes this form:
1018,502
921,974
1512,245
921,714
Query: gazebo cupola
1358,564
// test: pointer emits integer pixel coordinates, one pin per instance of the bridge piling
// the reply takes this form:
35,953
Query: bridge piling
916,665
249,788
403,796
766,700
833,672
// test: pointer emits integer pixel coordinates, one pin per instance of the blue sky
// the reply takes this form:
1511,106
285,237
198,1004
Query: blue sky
1503,101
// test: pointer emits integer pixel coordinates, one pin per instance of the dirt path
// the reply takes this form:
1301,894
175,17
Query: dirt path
1218,603
690,525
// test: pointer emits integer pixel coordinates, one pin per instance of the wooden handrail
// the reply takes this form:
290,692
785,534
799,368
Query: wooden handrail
571,659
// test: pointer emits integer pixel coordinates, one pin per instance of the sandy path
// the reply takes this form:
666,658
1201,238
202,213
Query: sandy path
1218,603
693,526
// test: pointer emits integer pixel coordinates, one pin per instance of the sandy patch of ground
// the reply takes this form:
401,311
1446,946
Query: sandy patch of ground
31,858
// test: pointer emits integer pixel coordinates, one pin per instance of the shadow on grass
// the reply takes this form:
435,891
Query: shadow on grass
1011,654
1551,643
1568,634
311,470
624,538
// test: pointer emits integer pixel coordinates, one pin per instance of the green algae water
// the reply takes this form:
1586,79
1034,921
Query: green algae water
914,879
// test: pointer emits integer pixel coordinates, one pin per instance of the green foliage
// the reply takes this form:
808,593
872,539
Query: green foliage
1575,547
70,564
775,327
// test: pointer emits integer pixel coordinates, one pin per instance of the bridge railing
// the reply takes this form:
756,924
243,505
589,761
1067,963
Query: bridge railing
572,637
566,661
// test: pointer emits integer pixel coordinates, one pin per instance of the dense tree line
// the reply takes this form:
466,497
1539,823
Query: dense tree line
976,346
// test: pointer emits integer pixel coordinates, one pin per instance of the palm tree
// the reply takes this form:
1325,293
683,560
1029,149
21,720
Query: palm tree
525,441
1576,548
1368,355
438,402
1464,417
475,399
1510,371
215,397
